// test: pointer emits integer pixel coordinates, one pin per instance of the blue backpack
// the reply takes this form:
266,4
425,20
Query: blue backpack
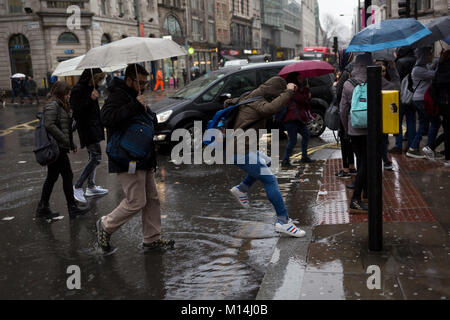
358,110
224,119
135,143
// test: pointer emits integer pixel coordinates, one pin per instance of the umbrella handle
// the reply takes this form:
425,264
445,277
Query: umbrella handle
93,81
135,70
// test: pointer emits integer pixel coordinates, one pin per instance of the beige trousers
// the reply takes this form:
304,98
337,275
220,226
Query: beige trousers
140,194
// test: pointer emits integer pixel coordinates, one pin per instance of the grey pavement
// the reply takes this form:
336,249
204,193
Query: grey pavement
332,261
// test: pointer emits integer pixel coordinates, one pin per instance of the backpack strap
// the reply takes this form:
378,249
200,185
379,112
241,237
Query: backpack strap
354,82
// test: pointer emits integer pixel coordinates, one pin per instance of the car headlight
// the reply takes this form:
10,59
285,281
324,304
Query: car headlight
163,116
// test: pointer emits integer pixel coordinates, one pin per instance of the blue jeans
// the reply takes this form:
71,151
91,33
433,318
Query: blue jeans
410,113
424,120
95,157
294,127
256,165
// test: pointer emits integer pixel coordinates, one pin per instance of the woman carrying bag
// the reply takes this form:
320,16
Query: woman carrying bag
58,122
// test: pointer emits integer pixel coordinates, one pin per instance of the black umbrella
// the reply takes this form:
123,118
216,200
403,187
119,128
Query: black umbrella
440,29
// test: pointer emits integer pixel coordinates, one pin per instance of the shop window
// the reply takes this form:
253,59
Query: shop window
20,55
67,37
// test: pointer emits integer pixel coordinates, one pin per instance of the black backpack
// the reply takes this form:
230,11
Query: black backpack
46,148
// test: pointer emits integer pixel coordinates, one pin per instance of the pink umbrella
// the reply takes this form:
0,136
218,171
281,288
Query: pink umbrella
307,69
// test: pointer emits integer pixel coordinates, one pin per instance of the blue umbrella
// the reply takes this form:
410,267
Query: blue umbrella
388,34
440,29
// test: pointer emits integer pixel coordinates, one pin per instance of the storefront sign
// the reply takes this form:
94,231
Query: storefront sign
247,51
69,51
167,37
141,29
33,25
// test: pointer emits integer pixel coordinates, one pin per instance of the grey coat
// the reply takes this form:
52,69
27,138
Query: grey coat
359,73
422,75
63,132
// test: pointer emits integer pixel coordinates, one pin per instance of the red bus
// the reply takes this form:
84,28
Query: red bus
318,53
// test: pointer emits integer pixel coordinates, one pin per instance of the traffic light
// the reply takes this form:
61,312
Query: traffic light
335,44
404,9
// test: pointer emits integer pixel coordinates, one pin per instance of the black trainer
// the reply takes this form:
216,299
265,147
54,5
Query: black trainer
350,186
353,171
286,165
343,174
307,160
160,244
45,212
75,210
357,206
103,237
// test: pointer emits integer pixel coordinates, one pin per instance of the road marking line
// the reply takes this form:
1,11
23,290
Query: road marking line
21,126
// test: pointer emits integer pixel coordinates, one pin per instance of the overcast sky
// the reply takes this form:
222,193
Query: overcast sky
338,7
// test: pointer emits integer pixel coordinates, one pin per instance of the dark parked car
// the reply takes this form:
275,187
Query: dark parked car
203,97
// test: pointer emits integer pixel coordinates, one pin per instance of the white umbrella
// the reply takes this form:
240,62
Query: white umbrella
69,68
131,50
18,75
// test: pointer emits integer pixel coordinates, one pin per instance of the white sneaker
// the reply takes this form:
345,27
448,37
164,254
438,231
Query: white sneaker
289,228
78,194
95,191
447,164
241,197
429,154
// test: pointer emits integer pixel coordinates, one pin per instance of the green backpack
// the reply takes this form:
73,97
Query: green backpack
358,110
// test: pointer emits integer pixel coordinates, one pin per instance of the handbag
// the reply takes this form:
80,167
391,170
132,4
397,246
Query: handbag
332,118
135,143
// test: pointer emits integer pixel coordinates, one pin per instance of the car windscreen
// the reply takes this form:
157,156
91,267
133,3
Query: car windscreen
198,85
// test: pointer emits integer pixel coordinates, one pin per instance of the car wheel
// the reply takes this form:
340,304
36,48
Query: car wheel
317,126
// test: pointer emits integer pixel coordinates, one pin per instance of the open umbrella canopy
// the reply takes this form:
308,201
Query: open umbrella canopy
131,50
440,30
388,34
69,68
310,68
18,75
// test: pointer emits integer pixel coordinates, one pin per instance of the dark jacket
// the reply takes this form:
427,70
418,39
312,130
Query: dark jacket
116,114
405,62
441,87
86,111
62,132
255,115
297,109
33,86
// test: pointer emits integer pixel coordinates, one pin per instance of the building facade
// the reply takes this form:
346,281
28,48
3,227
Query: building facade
281,28
202,36
308,23
35,35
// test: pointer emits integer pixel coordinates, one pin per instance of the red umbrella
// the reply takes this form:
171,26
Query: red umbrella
307,69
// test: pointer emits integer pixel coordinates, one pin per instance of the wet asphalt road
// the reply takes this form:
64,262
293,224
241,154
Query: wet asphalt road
221,250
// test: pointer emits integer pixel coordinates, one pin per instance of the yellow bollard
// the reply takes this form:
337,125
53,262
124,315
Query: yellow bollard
390,110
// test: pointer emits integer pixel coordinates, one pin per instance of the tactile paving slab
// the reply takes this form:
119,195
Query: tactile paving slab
401,199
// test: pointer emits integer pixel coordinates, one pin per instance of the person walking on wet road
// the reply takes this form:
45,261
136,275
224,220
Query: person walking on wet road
86,111
358,136
33,90
58,122
124,104
298,114
253,116
159,80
